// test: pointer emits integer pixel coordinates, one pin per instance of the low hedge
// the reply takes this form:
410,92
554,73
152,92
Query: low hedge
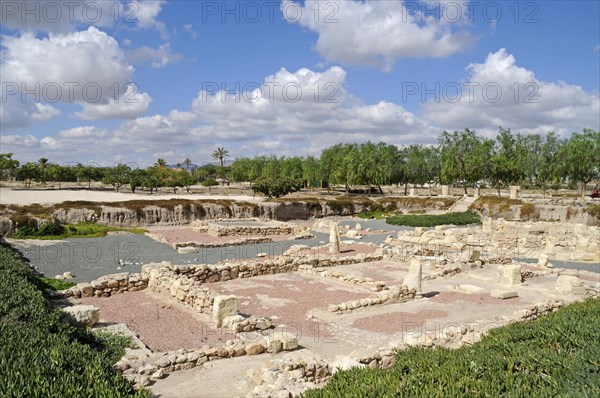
431,220
40,354
557,355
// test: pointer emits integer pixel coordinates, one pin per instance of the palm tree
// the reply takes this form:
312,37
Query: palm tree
160,164
220,154
187,163
42,165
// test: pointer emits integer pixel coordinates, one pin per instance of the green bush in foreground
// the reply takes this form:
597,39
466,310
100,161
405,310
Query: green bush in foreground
430,220
557,355
41,355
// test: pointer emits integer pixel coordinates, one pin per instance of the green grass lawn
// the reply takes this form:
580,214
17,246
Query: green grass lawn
557,355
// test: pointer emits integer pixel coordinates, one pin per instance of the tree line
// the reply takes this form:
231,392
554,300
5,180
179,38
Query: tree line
461,158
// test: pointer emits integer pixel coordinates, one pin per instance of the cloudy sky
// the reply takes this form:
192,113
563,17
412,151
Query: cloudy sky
111,81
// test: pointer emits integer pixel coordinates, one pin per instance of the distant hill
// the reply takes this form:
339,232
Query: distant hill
191,167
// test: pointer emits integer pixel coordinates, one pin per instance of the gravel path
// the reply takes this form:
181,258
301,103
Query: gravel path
49,196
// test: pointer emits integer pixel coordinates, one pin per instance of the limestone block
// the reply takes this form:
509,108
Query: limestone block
413,279
445,190
174,287
288,340
511,275
224,306
86,289
352,233
582,243
543,260
487,225
569,284
254,348
86,315
334,238
503,294
274,346
230,322
514,191
345,363
550,246
475,255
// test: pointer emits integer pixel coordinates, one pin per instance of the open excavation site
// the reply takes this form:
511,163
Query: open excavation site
252,303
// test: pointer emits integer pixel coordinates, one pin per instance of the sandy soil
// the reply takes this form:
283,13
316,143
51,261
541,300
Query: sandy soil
162,325
392,322
29,196
287,296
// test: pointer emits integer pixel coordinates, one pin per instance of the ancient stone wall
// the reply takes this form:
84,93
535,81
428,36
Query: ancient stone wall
107,285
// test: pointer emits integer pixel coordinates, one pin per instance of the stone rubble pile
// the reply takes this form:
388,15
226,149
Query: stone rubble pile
146,370
290,377
536,310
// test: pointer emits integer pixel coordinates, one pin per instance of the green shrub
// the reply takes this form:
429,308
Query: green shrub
553,356
276,187
54,284
41,355
427,220
50,229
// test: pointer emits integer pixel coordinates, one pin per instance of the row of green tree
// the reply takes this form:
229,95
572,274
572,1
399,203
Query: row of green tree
152,178
462,158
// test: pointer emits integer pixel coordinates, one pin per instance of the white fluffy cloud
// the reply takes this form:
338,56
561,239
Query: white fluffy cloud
66,16
500,93
128,105
87,68
272,118
376,33
155,57
83,132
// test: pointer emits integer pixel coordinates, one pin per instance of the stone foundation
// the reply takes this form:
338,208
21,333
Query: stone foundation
395,294
105,286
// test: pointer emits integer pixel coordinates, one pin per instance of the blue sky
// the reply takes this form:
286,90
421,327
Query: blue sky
353,70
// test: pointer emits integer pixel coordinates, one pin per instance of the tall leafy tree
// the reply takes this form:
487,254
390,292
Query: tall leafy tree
581,154
311,171
462,157
8,166
27,173
548,170
118,176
